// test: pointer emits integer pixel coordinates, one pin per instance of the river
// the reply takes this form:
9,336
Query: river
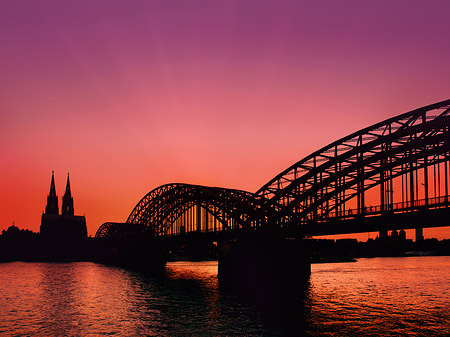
372,297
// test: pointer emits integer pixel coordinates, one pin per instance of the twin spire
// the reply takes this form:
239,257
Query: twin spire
52,186
52,199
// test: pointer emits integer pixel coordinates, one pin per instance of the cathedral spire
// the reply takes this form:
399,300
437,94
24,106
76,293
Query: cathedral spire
52,199
68,187
52,186
67,206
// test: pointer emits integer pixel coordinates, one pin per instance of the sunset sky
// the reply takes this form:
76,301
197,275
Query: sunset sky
130,95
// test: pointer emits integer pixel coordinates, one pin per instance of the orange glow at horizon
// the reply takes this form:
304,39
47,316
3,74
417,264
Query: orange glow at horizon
130,96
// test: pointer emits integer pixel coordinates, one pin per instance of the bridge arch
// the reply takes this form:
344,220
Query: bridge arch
398,165
117,230
321,185
179,208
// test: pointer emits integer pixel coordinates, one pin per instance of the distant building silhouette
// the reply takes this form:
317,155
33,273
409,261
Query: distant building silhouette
402,235
419,234
52,199
67,225
67,201
13,232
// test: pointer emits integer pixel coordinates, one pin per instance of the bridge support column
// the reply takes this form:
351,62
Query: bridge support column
264,266
419,234
143,253
383,234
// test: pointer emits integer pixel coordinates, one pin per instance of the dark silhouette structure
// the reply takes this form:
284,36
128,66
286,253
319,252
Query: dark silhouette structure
18,244
402,163
52,199
65,225
390,176
67,201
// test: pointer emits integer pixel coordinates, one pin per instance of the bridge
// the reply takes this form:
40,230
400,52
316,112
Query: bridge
391,175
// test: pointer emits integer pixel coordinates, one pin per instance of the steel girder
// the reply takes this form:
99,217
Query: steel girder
316,186
160,208
313,189
118,230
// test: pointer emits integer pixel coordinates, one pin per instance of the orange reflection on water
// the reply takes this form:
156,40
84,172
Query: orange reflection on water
383,295
204,276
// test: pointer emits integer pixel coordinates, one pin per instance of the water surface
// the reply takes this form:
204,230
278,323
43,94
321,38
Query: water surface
371,297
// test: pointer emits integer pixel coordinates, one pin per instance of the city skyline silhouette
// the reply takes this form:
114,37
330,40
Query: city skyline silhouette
228,96
237,167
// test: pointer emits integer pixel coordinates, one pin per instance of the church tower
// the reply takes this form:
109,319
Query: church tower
64,226
67,201
52,199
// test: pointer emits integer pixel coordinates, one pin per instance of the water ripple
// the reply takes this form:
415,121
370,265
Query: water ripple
386,296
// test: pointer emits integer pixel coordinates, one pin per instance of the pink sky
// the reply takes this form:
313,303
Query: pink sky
130,95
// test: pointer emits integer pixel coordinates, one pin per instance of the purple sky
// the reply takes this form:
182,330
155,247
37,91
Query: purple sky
129,95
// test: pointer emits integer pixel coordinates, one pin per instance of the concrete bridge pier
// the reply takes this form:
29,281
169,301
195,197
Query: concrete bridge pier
144,253
264,265
419,234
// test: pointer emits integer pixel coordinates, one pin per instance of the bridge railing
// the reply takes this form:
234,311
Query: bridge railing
207,231
369,211
433,202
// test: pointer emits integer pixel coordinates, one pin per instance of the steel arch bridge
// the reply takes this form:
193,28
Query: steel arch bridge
394,156
179,208
400,165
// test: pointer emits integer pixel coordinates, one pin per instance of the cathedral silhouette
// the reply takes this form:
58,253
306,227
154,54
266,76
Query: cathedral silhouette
65,225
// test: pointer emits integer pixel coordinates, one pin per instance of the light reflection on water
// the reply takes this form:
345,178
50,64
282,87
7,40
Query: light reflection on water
385,296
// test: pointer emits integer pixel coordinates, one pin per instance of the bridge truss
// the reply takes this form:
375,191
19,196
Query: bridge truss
175,209
398,165
405,158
